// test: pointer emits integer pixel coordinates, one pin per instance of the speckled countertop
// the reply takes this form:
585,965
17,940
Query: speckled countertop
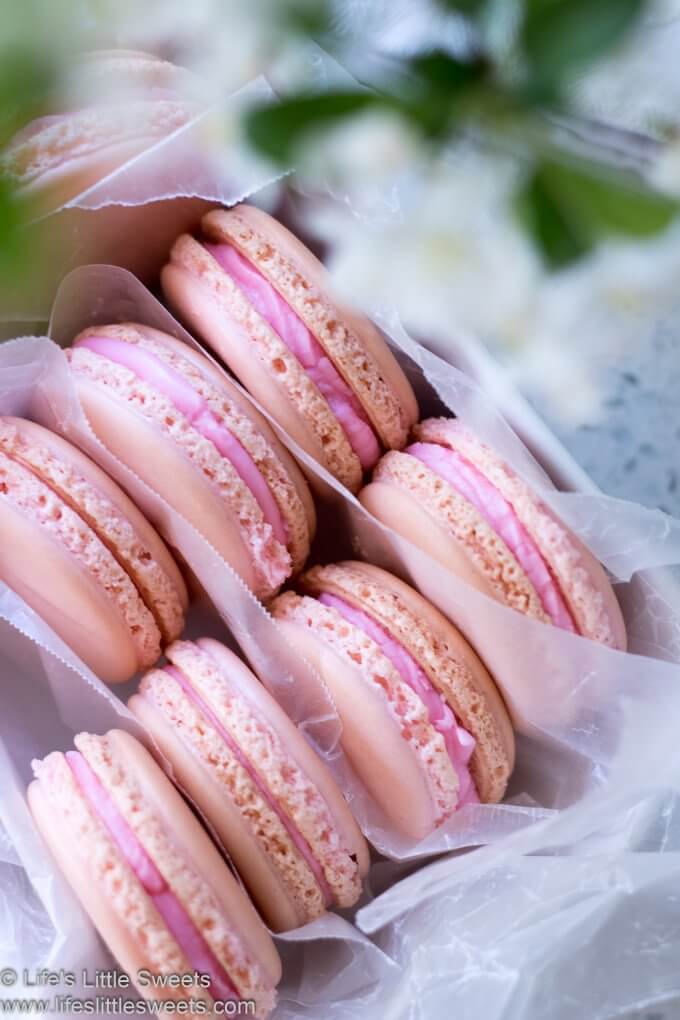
631,448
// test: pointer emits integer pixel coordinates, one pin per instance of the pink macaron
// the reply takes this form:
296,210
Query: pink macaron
131,101
82,555
152,882
452,496
271,800
168,414
252,291
423,724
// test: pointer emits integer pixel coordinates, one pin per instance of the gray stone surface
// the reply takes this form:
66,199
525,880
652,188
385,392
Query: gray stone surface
632,449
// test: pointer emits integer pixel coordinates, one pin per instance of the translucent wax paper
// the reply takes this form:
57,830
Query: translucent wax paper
564,903
156,195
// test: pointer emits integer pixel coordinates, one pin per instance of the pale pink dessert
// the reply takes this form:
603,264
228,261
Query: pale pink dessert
274,805
423,724
458,742
184,429
287,325
130,101
81,554
452,496
253,291
149,877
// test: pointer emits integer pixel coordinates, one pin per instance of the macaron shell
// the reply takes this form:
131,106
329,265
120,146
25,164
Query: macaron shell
61,184
66,596
469,688
580,577
303,528
93,474
53,178
385,393
198,848
255,553
285,888
108,923
371,737
137,70
360,324
603,587
399,510
166,470
260,877
296,744
220,379
195,285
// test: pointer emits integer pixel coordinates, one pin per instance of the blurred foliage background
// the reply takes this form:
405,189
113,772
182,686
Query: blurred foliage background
507,168
502,79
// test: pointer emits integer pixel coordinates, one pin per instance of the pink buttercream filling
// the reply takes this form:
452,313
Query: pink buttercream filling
185,398
187,935
459,743
495,509
296,836
290,328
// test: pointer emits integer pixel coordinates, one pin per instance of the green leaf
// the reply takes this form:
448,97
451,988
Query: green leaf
277,130
567,209
443,71
440,88
559,37
307,17
26,79
612,203
15,254
471,8
542,216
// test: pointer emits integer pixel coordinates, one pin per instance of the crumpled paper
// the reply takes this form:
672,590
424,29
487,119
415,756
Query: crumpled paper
570,909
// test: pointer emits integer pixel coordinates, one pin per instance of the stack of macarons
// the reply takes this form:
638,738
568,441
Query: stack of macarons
146,872
455,498
261,300
81,554
424,726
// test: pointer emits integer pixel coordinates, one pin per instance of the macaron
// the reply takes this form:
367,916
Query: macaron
273,803
424,726
82,555
255,294
455,498
154,885
174,418
137,100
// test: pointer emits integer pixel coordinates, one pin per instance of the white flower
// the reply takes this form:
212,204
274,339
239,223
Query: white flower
589,319
225,42
450,256
638,86
665,172
362,161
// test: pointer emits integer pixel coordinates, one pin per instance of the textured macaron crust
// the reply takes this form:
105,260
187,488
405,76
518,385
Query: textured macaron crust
277,810
148,875
139,100
423,723
82,555
493,530
255,293
174,418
